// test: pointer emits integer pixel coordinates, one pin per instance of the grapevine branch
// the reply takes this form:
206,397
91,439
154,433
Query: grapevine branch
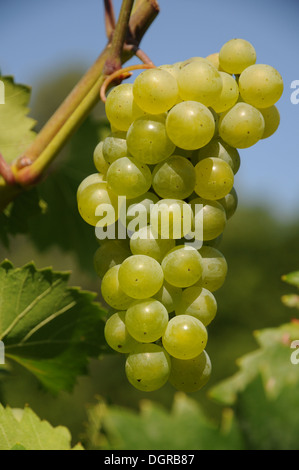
123,42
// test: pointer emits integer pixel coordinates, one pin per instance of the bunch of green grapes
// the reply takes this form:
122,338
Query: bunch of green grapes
172,157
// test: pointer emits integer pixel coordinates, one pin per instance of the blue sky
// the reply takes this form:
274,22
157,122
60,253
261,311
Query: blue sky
39,36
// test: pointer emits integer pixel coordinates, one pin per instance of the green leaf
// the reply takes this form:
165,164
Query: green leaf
183,428
16,132
48,327
62,225
272,361
292,278
23,430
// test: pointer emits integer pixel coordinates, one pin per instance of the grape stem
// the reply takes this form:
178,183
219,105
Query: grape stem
121,74
123,44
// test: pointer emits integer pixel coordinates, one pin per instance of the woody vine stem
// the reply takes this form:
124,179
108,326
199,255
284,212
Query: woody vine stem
123,42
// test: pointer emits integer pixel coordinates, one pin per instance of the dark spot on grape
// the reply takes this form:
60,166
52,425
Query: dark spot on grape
138,380
119,346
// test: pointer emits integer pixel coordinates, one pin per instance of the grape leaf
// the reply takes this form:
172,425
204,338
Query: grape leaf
16,132
62,225
183,428
23,430
272,361
48,327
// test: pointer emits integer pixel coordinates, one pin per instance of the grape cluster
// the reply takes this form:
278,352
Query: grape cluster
173,149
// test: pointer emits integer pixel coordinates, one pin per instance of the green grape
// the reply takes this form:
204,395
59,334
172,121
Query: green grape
230,203
183,152
241,126
174,178
146,320
169,296
140,276
148,367
235,55
191,60
185,337
261,85
93,204
114,146
117,335
214,60
112,292
190,125
199,303
109,254
99,160
190,375
171,218
229,93
144,242
88,181
213,217
213,243
128,177
155,91
214,178
172,69
182,266
199,81
272,119
140,208
147,139
214,268
121,108
220,149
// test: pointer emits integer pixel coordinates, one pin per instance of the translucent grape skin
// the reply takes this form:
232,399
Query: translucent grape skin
114,146
241,126
140,205
144,242
109,254
190,375
94,178
174,178
140,276
198,302
214,268
220,149
155,91
236,55
182,266
185,337
229,94
121,108
261,85
213,217
199,81
190,125
146,320
91,198
128,177
112,292
230,203
272,119
169,296
214,178
148,141
99,160
117,335
148,367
